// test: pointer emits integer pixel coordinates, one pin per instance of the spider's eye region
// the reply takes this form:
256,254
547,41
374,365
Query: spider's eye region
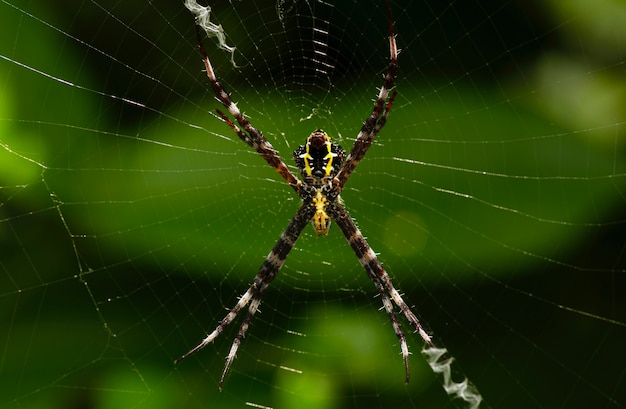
320,157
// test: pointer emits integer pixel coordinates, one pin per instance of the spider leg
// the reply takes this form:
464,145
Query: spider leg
379,276
270,267
255,138
377,119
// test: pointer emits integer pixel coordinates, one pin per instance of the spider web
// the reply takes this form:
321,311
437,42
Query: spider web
131,217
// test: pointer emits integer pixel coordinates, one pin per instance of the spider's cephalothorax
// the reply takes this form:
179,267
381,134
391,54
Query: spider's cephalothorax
325,169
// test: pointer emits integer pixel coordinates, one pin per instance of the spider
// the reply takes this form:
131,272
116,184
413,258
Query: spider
325,169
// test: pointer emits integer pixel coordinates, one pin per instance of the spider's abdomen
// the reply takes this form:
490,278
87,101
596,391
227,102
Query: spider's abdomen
319,158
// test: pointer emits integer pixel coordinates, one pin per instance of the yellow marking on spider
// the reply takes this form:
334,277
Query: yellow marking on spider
307,157
330,156
321,221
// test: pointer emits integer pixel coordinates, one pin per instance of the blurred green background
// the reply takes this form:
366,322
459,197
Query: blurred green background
131,219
